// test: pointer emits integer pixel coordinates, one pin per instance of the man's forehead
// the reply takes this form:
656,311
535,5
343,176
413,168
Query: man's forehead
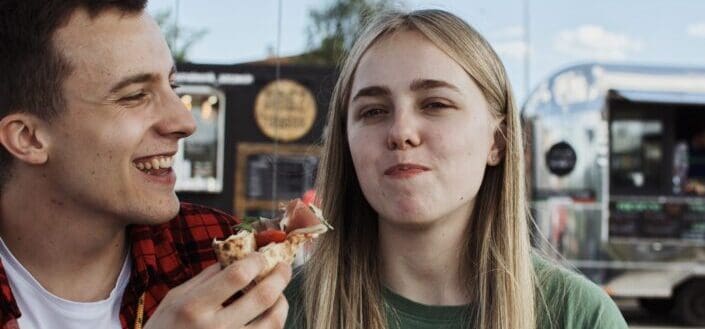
113,44
82,24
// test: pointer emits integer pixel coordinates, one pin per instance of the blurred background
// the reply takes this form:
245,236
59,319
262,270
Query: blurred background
612,96
553,33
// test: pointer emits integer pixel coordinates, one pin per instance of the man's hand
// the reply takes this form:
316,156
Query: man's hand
198,303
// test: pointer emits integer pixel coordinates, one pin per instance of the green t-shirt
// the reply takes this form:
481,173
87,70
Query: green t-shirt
566,301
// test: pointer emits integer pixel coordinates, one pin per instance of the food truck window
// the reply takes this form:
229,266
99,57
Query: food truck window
689,151
295,176
636,155
199,161
267,175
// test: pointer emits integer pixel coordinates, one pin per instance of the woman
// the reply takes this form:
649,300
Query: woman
422,177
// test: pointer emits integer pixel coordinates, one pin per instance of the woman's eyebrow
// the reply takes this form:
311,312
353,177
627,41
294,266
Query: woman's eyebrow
372,91
425,84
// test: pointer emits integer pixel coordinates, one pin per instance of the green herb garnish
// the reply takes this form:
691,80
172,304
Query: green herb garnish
247,223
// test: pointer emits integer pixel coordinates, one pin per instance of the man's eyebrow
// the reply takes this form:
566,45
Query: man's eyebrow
372,91
424,84
138,78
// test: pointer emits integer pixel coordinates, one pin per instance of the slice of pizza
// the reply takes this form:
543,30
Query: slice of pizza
277,239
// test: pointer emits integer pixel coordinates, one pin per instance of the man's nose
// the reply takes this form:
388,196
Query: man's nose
177,120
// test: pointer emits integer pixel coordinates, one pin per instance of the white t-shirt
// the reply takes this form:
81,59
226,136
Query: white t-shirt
41,309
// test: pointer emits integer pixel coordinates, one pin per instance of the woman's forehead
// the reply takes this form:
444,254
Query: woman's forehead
403,57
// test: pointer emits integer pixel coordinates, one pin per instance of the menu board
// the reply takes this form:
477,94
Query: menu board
681,219
295,174
267,175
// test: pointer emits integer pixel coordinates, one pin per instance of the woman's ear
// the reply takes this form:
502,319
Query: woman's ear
25,137
499,145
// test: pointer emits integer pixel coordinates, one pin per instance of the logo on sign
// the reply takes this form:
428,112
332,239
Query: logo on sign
561,159
285,110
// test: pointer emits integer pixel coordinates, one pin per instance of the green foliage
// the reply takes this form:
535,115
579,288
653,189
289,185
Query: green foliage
179,39
334,28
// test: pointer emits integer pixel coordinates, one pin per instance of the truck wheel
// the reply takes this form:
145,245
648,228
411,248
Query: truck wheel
657,306
690,303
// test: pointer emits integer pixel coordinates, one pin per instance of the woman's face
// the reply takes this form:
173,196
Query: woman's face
420,132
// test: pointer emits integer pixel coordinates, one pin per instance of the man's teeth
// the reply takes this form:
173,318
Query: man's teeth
158,162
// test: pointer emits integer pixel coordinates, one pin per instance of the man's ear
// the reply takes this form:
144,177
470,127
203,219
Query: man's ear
25,136
498,146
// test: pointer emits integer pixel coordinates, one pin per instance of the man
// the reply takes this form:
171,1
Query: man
93,235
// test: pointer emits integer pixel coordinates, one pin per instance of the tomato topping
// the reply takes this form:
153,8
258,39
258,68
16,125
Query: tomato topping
268,236
309,197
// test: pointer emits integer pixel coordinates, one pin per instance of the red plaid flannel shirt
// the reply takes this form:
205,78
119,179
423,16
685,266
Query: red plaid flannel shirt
164,256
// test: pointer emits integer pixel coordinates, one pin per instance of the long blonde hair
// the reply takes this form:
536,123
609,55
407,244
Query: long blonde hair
341,285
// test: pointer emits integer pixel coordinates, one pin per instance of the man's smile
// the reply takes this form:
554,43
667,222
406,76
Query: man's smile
153,163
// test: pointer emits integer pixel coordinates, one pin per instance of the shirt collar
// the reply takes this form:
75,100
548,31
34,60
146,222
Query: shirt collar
144,260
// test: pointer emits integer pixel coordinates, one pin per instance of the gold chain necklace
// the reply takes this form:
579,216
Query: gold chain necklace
140,312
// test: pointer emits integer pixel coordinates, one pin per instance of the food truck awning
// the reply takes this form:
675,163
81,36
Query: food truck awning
657,97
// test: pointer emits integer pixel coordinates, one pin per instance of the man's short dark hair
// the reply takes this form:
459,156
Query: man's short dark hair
33,70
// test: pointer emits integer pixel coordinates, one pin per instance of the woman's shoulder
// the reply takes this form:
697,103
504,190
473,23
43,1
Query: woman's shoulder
566,299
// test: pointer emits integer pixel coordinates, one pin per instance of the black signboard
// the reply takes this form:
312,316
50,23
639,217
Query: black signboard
242,136
561,159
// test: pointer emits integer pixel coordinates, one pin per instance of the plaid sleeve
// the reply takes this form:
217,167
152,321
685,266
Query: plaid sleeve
169,254
9,311
194,231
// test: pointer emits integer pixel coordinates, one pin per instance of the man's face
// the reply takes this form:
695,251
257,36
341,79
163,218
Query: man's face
122,117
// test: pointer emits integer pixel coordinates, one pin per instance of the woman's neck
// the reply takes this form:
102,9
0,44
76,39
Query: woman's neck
423,263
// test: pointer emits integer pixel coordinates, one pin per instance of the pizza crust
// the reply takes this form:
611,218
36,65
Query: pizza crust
238,246
235,247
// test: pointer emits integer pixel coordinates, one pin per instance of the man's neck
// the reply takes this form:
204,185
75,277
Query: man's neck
422,264
72,253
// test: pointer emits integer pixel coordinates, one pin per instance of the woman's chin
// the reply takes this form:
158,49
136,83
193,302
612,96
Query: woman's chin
408,220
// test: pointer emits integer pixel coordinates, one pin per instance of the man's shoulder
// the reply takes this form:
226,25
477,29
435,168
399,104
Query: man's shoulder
199,215
571,300
192,223
201,223
181,247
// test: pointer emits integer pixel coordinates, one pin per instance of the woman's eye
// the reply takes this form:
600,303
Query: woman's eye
174,85
435,105
371,113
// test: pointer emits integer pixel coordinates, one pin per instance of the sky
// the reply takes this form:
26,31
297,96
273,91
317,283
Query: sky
561,33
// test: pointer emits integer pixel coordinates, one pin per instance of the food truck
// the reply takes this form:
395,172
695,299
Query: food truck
617,176
258,129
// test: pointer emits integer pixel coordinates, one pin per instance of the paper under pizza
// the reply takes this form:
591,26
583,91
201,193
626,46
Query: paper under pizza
277,239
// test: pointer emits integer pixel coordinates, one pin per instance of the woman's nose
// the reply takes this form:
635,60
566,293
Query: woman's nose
403,133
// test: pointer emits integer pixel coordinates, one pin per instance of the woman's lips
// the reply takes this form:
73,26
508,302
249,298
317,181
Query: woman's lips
405,170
